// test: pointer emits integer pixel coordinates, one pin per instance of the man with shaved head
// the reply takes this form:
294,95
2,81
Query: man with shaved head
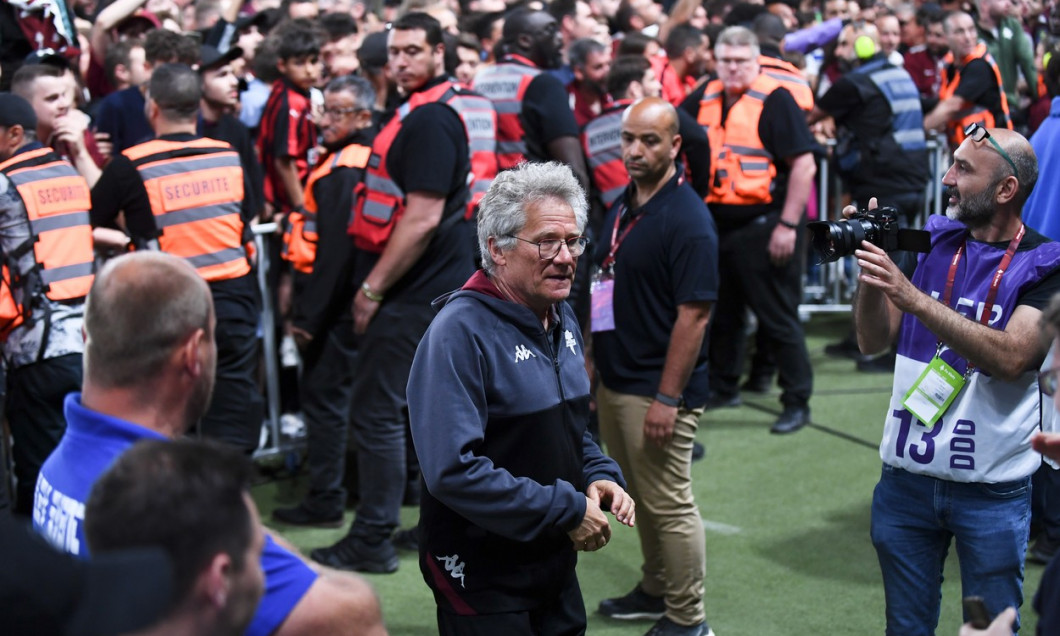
651,301
956,449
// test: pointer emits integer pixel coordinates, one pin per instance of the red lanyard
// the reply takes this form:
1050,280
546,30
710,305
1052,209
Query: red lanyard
995,284
616,240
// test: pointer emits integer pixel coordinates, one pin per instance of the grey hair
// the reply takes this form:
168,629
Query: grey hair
502,211
738,36
360,88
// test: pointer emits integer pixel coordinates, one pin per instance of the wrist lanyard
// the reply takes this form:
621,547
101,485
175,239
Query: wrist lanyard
995,284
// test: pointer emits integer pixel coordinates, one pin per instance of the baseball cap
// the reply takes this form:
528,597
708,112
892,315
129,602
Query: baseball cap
16,111
44,591
372,54
139,15
210,57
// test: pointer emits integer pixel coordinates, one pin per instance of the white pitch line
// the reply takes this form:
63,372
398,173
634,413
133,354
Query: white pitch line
720,528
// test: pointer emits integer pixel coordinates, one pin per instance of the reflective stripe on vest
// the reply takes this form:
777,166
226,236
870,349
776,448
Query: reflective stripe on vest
972,113
381,202
301,236
602,143
790,78
903,97
57,200
196,192
504,85
742,170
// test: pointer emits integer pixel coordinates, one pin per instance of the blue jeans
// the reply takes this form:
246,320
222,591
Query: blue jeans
913,519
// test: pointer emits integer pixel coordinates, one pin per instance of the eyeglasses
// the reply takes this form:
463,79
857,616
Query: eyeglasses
1048,382
977,134
548,249
340,112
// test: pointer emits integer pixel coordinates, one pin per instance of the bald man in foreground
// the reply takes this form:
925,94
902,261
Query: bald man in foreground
956,449
652,298
149,373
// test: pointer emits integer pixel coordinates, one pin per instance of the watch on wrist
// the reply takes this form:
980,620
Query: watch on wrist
366,289
669,400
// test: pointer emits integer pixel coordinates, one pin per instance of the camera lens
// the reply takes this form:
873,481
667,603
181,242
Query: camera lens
832,240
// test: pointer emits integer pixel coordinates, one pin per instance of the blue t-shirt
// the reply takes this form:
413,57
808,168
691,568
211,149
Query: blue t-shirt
121,115
90,445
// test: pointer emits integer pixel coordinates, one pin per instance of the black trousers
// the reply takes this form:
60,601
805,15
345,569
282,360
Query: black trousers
328,366
237,409
35,395
562,615
749,279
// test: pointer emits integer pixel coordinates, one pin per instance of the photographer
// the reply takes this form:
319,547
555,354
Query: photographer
956,445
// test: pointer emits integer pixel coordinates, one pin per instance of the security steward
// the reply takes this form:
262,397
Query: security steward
46,247
535,121
881,149
413,211
183,194
323,258
971,91
762,162
632,78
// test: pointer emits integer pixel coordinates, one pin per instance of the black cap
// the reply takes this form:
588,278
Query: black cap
47,56
372,54
16,111
211,58
44,591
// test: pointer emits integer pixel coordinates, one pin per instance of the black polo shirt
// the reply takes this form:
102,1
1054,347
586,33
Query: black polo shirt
669,258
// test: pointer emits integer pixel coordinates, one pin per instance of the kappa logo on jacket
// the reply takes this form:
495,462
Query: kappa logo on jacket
522,353
453,566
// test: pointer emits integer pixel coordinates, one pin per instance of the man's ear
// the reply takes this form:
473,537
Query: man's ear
496,253
214,582
191,353
1007,190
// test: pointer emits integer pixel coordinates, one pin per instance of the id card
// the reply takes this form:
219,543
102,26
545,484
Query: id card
933,392
603,311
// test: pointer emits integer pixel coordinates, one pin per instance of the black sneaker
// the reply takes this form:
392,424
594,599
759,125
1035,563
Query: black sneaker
845,348
722,401
637,605
300,515
759,384
699,451
357,555
407,539
666,627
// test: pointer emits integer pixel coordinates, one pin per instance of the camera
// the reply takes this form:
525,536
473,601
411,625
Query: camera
833,240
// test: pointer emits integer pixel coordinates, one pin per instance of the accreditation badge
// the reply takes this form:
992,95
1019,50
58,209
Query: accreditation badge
602,293
933,392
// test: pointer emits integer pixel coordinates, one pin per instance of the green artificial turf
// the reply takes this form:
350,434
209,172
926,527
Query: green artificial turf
787,518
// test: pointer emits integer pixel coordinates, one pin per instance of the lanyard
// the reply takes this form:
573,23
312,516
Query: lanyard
616,240
995,284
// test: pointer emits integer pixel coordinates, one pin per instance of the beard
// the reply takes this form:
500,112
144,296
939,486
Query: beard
974,210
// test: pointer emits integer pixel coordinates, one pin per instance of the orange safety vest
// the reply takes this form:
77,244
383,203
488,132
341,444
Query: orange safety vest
972,113
196,192
790,78
505,84
380,202
602,142
301,237
741,169
57,200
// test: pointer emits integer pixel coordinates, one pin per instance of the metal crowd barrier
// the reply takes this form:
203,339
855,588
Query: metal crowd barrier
275,443
829,287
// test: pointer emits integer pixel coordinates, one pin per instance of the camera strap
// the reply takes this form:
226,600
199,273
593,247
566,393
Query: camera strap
995,283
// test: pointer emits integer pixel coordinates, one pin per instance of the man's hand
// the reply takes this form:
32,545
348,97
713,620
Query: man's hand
364,310
782,244
302,338
104,145
879,272
659,423
1002,626
70,128
594,531
607,494
1047,444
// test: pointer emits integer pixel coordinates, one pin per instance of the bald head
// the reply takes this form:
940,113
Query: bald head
653,111
1022,154
650,142
141,307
